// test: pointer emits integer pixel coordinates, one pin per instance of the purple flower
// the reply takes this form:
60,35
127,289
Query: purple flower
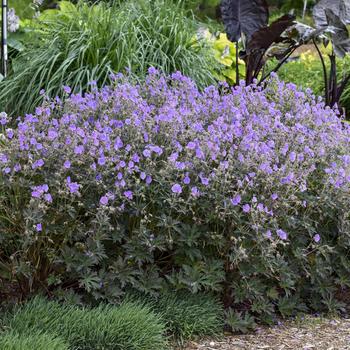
38,164
146,153
67,89
260,207
3,158
135,158
191,145
101,161
176,189
104,200
36,194
72,186
268,234
48,197
274,196
39,227
79,149
118,143
152,71
52,134
186,180
246,208
67,164
236,200
205,181
3,118
9,133
128,194
195,192
292,156
281,234
317,237
156,149
173,157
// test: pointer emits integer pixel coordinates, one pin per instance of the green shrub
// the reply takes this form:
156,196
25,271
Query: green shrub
79,44
129,326
31,340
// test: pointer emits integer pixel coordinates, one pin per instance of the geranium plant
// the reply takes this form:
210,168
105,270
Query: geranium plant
242,192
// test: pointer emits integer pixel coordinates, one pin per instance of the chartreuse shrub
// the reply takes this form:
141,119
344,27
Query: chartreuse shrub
158,185
80,43
31,341
129,326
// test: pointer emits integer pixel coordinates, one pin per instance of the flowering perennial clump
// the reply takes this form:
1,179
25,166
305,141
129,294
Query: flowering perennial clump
243,191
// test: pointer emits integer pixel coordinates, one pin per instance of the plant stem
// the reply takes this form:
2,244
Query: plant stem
280,64
237,65
333,81
342,86
304,9
324,72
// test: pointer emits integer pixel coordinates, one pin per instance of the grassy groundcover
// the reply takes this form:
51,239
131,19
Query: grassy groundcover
140,322
187,315
12,340
130,326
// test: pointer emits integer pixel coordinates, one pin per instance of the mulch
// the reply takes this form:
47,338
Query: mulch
309,334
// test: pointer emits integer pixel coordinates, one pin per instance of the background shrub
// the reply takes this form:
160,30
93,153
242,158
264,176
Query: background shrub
79,43
157,185
129,326
30,341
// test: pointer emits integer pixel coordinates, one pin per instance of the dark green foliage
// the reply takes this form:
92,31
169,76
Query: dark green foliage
239,322
129,326
31,340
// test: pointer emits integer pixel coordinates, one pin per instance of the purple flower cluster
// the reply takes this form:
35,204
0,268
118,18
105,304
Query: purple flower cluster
253,156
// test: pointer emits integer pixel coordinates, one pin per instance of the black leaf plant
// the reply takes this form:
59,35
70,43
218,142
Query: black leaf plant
246,22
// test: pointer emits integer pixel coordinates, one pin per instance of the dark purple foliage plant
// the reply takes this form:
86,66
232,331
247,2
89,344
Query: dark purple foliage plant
247,22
